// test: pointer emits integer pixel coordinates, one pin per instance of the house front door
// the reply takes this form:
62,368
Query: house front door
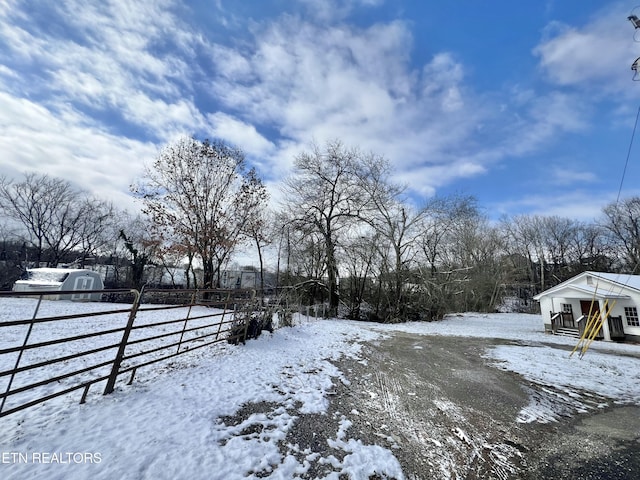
585,307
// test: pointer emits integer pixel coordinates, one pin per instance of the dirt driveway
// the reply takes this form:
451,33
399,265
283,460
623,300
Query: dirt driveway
446,414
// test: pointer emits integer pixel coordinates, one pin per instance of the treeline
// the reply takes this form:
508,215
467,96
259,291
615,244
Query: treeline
344,233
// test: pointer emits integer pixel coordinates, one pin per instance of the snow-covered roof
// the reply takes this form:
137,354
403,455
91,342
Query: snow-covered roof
48,276
57,270
592,291
617,284
631,281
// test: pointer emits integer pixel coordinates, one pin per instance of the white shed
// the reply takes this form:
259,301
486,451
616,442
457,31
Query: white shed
612,296
61,279
238,279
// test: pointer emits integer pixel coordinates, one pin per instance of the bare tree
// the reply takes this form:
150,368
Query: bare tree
57,218
622,220
591,249
324,196
260,234
447,244
96,228
557,248
398,226
525,234
479,253
362,263
140,248
202,193
12,251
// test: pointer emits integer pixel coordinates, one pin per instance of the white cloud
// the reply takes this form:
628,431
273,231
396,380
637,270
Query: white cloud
325,82
322,82
584,205
566,176
443,77
295,80
34,139
595,56
431,177
8,73
107,60
537,120
331,10
240,134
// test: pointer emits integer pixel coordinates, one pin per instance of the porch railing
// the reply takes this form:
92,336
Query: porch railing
616,328
582,324
562,320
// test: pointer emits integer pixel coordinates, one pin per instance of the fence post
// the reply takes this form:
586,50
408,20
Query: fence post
111,382
24,344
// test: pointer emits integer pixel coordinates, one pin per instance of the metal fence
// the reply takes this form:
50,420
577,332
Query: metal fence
49,354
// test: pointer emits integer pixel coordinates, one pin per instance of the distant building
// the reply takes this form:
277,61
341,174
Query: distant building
238,279
61,279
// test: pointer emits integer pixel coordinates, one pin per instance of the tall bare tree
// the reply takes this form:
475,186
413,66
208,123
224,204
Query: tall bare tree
141,248
397,225
259,232
362,263
622,220
447,245
203,193
324,196
591,248
525,234
96,229
57,218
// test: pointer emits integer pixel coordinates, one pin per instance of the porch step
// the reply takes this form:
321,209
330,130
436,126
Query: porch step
568,332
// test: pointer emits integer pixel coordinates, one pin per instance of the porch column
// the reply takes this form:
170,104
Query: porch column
605,323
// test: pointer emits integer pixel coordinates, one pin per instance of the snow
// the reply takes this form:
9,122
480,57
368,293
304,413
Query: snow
181,419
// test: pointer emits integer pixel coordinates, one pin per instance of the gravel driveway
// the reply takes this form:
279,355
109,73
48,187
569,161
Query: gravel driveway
445,413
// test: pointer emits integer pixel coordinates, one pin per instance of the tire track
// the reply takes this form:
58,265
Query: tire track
416,406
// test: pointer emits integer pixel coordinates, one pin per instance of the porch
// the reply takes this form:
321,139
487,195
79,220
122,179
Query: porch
563,323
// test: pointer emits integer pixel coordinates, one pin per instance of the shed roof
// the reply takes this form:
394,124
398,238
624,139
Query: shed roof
50,276
57,270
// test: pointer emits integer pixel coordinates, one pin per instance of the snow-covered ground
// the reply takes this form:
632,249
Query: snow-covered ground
170,423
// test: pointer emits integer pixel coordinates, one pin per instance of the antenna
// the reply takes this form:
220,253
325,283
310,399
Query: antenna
635,21
635,66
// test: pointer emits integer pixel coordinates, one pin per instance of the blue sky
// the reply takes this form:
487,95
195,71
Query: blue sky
529,105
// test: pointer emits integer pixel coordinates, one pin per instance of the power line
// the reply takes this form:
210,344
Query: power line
626,163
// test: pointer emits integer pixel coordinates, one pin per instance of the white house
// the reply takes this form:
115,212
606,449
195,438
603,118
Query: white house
61,279
615,298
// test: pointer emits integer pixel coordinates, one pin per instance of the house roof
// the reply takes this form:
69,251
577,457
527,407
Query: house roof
616,284
630,281
591,291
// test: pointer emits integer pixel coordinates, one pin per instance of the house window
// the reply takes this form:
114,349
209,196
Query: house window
589,280
632,316
566,308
